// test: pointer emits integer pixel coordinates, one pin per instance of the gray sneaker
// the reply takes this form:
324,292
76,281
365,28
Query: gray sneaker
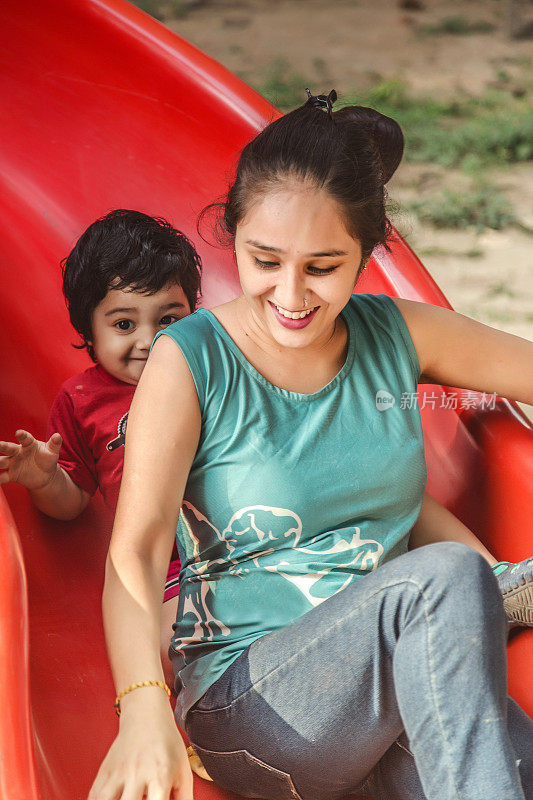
516,585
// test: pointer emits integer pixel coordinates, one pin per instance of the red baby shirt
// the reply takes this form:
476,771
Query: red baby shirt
90,412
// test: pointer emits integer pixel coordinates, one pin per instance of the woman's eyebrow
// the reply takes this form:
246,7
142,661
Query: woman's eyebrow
266,247
328,253
270,249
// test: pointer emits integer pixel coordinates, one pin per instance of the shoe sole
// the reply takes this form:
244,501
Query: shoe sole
518,604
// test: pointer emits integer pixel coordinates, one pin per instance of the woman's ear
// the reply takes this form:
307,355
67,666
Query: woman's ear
362,266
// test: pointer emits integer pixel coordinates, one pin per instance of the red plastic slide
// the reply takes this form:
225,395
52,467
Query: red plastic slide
104,108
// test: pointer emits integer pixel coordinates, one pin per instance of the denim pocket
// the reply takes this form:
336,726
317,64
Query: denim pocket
247,775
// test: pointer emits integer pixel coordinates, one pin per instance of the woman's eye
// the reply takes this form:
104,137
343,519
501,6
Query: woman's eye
310,268
168,319
124,325
265,264
318,271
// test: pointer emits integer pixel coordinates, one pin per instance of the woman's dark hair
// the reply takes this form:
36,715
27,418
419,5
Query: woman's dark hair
351,154
126,249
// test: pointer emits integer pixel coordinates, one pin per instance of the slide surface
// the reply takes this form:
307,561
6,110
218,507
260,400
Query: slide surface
104,108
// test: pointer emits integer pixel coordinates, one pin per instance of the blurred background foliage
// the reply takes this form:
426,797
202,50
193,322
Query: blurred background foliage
456,75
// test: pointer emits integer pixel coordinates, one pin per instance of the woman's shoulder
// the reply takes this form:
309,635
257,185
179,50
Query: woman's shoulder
374,308
197,321
192,335
378,319
226,314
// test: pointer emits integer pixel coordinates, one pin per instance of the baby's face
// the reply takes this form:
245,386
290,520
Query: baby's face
125,322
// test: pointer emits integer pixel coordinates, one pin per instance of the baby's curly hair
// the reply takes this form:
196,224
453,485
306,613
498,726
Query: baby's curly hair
126,249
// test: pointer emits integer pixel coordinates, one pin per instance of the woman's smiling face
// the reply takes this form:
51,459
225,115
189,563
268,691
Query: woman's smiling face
297,264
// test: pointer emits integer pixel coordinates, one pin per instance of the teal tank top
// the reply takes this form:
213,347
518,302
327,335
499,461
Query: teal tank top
291,497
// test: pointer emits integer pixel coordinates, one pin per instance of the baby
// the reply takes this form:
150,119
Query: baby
128,276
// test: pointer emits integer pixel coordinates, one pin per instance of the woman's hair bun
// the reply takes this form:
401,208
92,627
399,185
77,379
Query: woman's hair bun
384,131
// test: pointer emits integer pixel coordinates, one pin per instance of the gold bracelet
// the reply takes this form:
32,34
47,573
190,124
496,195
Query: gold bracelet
138,686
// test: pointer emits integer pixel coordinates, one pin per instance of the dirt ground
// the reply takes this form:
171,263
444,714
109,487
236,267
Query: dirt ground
352,44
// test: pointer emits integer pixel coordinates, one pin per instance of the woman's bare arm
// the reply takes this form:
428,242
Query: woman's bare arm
148,755
454,350
436,524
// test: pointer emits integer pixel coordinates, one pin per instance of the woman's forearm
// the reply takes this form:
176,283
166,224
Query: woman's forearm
148,756
436,524
131,603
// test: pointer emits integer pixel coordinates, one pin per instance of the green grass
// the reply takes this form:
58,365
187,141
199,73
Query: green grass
457,26
160,9
474,252
482,207
494,315
500,289
282,85
467,132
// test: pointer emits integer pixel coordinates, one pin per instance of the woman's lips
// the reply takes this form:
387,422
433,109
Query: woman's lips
293,324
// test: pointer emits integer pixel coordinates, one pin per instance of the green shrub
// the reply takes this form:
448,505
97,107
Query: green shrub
482,207
159,9
284,87
466,132
457,26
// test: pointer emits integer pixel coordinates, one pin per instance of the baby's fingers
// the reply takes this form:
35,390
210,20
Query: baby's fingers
25,438
54,443
9,448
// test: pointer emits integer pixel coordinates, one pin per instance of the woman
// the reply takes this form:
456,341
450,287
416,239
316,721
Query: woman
294,488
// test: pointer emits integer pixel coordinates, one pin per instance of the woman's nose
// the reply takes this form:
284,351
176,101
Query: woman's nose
292,289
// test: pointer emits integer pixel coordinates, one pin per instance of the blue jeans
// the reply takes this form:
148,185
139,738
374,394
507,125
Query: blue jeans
394,688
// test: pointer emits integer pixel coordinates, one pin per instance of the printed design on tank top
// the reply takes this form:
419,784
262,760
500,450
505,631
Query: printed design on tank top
267,538
114,444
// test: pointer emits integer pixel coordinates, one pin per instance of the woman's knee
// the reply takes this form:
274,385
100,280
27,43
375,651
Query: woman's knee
458,570
453,561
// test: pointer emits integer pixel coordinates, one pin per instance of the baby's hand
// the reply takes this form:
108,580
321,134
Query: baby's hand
31,463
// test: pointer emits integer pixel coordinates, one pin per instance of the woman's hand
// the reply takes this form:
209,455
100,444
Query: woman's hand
31,463
148,759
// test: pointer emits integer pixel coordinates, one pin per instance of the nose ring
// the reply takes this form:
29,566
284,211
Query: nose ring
306,302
